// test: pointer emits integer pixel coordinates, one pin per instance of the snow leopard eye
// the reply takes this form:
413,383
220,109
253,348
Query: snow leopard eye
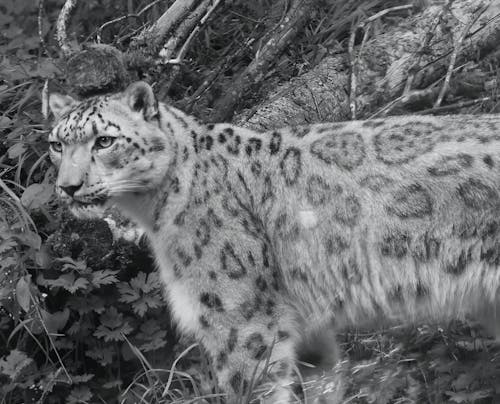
56,147
103,142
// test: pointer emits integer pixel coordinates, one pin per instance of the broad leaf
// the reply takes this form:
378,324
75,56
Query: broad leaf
79,395
142,292
106,277
16,150
23,293
103,355
37,195
15,363
113,326
56,321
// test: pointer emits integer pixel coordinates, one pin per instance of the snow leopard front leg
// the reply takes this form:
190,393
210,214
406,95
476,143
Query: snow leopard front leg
255,354
228,295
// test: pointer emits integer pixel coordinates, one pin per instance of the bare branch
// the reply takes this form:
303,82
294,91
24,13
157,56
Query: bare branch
171,18
387,11
454,54
353,58
352,81
190,24
454,107
62,24
413,69
41,5
124,17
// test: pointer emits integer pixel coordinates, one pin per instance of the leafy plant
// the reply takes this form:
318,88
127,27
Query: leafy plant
72,300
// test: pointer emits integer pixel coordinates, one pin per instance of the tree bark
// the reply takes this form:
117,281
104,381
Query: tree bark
414,54
154,37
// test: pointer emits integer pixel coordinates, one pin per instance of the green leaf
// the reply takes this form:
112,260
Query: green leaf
68,282
81,328
114,384
5,122
30,239
69,264
45,68
43,258
128,294
65,343
55,321
37,195
82,378
23,293
16,150
463,381
106,277
113,326
103,355
152,335
15,363
87,304
143,292
146,283
7,244
79,395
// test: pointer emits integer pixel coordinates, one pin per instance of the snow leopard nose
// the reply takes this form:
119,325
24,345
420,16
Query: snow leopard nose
71,189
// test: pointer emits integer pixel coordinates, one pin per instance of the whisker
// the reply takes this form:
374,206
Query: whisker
126,182
117,190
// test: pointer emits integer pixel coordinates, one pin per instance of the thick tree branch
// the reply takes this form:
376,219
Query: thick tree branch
62,24
154,36
187,29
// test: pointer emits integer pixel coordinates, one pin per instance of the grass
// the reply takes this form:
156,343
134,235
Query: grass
399,364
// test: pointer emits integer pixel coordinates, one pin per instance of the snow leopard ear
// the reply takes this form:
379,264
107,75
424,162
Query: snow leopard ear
140,98
60,104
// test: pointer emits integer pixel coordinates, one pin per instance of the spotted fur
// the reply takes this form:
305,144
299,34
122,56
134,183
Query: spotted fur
262,236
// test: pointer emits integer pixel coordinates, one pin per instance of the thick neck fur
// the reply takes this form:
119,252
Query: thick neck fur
145,207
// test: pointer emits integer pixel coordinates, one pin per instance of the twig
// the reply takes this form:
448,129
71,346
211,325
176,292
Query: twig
61,26
191,24
41,4
216,71
415,67
408,95
353,61
387,11
413,96
166,23
353,75
367,24
99,30
386,108
282,34
49,336
202,22
457,105
123,17
453,58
